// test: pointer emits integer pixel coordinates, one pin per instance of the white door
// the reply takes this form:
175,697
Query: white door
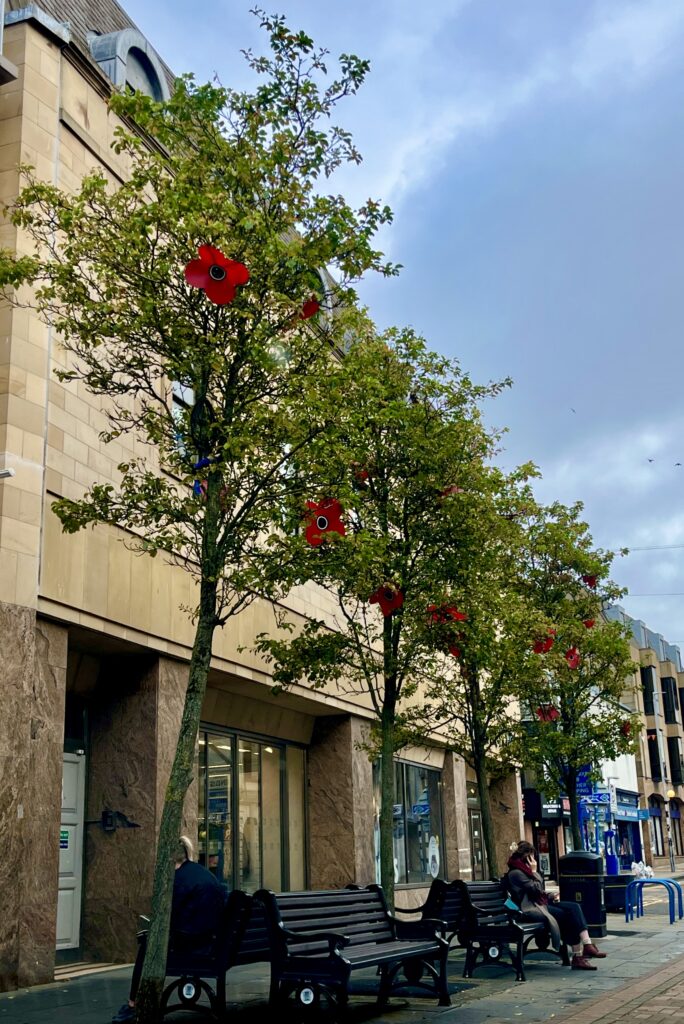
71,852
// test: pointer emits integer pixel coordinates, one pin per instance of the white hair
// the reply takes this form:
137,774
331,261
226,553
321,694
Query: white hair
184,851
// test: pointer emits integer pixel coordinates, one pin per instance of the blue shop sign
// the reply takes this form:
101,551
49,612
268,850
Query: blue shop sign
626,813
585,787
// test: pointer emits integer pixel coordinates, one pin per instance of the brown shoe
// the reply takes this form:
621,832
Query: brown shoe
580,963
593,951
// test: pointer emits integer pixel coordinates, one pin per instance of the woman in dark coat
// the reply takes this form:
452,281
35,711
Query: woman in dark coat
565,919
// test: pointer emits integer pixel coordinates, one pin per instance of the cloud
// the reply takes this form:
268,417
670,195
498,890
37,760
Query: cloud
411,137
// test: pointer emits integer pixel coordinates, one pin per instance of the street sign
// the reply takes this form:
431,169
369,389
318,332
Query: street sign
584,784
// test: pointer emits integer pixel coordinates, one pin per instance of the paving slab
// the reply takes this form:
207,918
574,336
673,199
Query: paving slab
640,979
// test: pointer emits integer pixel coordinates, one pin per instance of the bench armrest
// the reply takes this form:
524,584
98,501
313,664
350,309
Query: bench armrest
335,940
411,910
426,928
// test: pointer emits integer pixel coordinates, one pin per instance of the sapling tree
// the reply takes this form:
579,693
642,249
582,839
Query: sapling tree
188,299
575,714
392,481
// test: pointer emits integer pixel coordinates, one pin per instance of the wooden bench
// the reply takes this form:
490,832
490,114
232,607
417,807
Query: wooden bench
242,938
447,902
495,931
319,938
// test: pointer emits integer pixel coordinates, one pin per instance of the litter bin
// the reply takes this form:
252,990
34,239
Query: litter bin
615,888
580,878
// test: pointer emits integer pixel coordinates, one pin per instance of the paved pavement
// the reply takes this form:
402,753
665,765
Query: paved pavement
640,979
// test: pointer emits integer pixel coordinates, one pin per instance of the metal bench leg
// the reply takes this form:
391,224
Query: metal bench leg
518,961
385,986
221,1007
442,980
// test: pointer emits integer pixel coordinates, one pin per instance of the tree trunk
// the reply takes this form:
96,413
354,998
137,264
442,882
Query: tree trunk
387,806
486,812
571,790
154,969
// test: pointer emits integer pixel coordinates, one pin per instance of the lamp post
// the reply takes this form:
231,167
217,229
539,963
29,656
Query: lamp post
670,848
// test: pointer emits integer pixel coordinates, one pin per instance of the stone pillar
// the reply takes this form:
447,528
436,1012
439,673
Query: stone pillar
133,729
456,830
505,797
340,805
32,683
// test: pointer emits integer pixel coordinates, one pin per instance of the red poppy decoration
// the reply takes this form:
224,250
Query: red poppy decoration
443,613
452,489
324,517
389,598
454,650
626,728
589,623
310,308
216,275
545,645
572,657
547,713
590,582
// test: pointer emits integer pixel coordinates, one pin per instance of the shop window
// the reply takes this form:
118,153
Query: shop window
418,831
656,827
251,811
676,826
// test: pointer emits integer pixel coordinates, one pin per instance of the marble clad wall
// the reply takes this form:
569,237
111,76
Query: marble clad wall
506,802
32,682
456,829
362,783
332,846
134,724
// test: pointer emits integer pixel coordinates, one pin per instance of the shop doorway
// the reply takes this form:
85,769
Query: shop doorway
547,849
477,851
71,852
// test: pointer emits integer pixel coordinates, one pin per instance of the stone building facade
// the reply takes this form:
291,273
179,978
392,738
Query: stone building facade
94,646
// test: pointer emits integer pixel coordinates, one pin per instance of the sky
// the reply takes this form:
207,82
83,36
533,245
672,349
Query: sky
533,154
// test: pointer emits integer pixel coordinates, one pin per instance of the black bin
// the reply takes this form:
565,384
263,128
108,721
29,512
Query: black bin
581,880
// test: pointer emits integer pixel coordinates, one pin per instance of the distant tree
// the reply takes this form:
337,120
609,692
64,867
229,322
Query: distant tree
244,338
398,469
574,711
476,699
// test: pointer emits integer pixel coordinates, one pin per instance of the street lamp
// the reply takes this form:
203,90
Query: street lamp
4,473
670,848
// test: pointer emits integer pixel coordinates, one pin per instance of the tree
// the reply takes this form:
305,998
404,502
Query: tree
391,482
574,712
476,702
245,337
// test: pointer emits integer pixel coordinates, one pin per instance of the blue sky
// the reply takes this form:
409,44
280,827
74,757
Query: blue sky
533,153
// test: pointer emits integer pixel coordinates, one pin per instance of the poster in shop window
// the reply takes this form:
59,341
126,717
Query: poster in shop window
433,856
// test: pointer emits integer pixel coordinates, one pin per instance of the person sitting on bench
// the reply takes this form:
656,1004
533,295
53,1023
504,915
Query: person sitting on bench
197,904
564,917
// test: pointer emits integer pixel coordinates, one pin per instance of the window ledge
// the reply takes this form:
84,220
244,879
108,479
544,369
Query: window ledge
8,71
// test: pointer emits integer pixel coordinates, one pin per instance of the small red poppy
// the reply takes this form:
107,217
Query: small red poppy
454,650
626,728
572,657
545,645
443,613
324,517
217,275
310,308
547,713
451,489
589,623
590,581
389,597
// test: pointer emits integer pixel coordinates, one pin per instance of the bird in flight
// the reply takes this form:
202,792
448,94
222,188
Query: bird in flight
677,463
650,460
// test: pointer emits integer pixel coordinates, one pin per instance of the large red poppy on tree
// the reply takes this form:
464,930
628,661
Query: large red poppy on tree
217,275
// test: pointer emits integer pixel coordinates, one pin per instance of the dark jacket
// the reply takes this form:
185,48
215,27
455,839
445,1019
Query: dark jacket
197,905
527,890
